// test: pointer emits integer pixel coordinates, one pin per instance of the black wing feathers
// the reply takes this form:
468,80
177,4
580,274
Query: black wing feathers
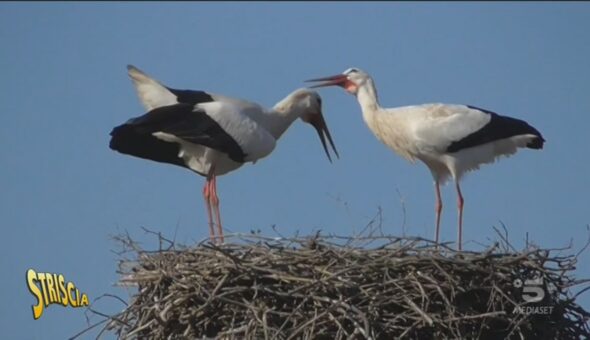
127,140
181,120
191,96
499,127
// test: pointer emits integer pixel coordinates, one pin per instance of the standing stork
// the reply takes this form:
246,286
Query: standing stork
210,134
449,139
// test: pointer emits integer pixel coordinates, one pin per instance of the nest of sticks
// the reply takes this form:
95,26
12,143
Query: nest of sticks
328,287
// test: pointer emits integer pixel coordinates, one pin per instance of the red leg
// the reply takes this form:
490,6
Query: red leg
206,196
215,203
460,202
437,210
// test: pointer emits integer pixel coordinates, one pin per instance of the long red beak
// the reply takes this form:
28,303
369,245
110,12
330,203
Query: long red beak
322,129
336,80
319,123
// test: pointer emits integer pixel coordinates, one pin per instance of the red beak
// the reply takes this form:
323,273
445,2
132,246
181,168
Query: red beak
338,80
321,127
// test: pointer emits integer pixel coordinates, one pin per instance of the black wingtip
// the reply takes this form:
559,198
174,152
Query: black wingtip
536,143
118,136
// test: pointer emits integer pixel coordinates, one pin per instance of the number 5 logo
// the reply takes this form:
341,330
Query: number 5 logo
535,288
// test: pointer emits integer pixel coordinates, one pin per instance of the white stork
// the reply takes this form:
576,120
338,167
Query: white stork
449,139
210,134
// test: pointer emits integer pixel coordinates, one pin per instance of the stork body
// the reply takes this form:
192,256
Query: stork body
210,134
449,139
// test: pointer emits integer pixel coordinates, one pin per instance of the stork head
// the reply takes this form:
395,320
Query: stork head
308,105
350,80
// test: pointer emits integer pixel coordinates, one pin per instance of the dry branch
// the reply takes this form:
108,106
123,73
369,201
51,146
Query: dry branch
360,288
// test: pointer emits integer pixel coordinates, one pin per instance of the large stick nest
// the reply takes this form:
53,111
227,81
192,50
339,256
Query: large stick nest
333,288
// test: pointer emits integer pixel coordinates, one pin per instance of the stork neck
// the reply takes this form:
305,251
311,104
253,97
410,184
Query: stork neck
279,119
367,97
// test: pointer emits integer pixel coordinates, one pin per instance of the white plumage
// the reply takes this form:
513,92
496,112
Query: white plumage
254,140
449,139
208,133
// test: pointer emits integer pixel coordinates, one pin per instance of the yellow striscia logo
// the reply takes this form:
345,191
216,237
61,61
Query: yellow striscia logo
51,288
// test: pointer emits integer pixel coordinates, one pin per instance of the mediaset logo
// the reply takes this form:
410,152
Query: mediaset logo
50,288
533,292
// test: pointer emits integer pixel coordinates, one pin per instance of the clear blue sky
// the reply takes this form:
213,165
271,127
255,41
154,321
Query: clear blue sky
63,86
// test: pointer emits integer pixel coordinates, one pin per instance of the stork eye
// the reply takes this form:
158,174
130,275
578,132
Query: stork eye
351,70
